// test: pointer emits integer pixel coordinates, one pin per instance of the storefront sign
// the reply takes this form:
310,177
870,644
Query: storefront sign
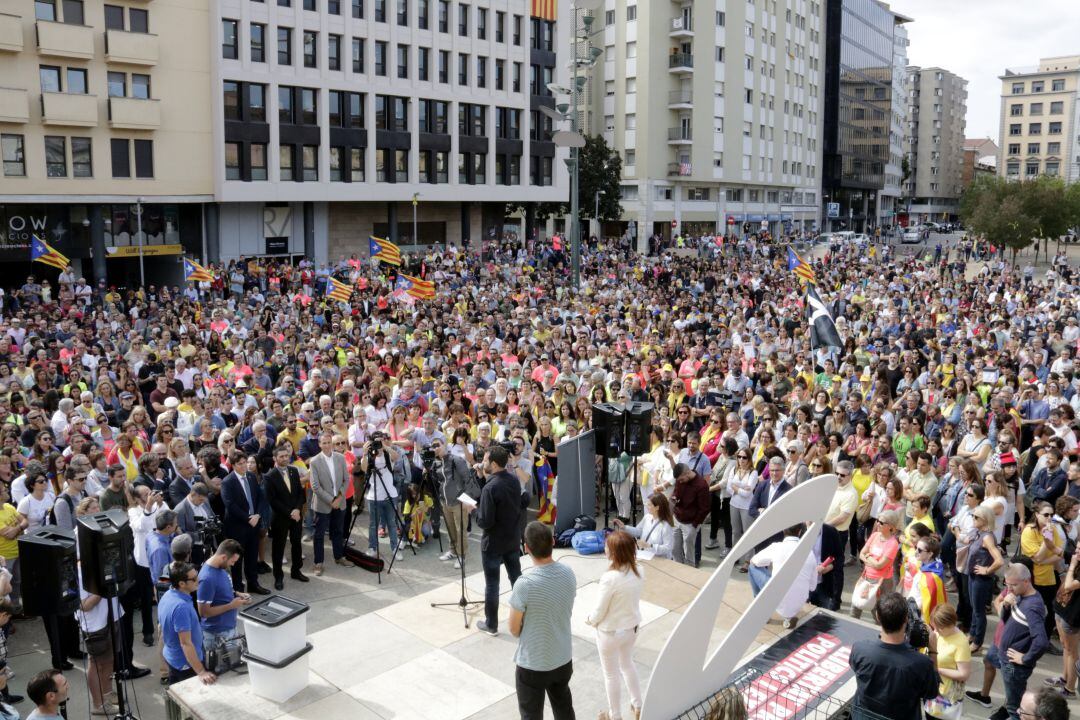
132,251
19,230
277,245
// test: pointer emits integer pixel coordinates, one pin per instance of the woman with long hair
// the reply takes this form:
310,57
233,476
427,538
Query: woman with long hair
616,617
982,563
1043,541
656,529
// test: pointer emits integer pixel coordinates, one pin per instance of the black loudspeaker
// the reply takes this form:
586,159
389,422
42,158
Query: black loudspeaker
607,420
106,549
47,562
638,428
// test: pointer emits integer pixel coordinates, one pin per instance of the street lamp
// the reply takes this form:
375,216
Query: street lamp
415,202
596,209
138,225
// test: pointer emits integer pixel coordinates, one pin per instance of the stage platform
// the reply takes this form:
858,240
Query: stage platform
410,661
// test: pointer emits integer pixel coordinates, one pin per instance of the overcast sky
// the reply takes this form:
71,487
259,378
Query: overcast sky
978,39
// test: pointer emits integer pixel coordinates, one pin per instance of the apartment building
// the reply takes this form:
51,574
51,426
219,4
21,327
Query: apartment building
339,119
890,204
1040,120
935,144
863,109
980,159
716,111
103,104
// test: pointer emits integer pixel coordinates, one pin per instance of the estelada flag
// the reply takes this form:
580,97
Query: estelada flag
415,287
546,9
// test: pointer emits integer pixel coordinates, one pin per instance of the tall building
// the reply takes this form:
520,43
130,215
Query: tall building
935,144
1040,120
715,110
332,117
980,158
862,59
101,105
890,196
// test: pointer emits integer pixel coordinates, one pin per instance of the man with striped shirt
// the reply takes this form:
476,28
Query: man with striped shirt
540,608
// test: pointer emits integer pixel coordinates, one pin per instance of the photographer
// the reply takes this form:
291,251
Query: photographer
502,503
455,477
893,679
377,464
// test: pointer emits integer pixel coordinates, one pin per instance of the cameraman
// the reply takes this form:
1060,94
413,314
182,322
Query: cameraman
192,513
502,503
892,678
377,464
455,478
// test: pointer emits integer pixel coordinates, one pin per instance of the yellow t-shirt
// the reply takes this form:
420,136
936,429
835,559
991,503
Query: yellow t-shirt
294,438
860,481
951,650
1030,543
8,515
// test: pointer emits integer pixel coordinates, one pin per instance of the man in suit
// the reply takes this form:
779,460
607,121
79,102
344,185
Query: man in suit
454,477
242,495
767,492
285,494
180,487
328,482
189,511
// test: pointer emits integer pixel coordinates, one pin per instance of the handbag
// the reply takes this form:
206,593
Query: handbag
589,542
865,593
862,513
225,655
97,642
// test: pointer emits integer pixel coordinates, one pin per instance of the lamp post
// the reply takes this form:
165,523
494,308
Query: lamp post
415,202
138,225
596,211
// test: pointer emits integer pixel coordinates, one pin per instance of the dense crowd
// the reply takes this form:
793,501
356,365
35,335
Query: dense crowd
949,416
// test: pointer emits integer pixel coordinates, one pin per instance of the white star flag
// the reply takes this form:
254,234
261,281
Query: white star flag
822,328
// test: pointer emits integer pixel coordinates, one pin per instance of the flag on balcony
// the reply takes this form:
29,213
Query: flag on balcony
194,272
415,287
685,169
337,290
41,252
384,250
546,9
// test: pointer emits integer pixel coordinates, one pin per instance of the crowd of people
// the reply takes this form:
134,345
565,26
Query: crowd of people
230,419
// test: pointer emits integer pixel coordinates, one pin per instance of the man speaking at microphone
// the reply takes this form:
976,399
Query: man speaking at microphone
502,502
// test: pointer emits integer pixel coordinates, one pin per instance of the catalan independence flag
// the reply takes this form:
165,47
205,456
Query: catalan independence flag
546,481
800,267
337,290
417,288
194,272
384,250
41,252
546,9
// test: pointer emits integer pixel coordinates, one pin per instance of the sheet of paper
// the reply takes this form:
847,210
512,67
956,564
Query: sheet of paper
645,554
465,499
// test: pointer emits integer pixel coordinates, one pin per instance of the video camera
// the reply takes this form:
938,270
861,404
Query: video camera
207,531
427,457
918,634
376,443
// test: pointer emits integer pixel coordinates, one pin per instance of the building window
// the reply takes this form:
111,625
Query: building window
422,62
140,86
444,66
138,20
517,30
1033,148
403,12
333,52
117,84
356,110
1057,85
631,13
311,162
380,10
50,78
1037,86
1018,88
228,39
444,16
285,162
423,12
463,69
721,18
1053,148
258,161
13,147
1036,108
609,18
481,23
73,12
45,10
55,156
1014,148
403,62
380,58
114,17
481,72
500,22
311,5
356,164
144,158
1014,129
284,3
256,102
333,7
284,46
380,163
1052,169
232,161
1031,169
76,81
121,158
309,109
1016,110
401,165
231,100
333,103
500,74
517,78
358,9
285,105
337,159
1054,128
1034,128
1057,107
311,44
258,42
463,20
358,55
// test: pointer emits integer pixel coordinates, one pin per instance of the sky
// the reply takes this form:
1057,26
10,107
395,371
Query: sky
979,39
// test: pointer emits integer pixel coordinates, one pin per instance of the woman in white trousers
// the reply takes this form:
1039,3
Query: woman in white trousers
616,618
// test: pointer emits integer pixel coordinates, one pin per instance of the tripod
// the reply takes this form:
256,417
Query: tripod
116,637
428,481
464,602
397,516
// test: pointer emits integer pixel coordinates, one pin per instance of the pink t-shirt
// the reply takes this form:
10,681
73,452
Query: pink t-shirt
881,548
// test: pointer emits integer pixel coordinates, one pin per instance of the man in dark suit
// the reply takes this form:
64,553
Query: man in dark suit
242,495
502,501
767,492
285,493
186,477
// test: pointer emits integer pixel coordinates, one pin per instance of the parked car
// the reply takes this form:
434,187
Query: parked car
911,235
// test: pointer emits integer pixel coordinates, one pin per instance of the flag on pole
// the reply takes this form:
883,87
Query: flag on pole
417,288
194,272
800,267
41,252
546,481
337,290
822,328
384,250
546,9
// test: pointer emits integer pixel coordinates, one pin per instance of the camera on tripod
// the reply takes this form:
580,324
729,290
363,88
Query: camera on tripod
427,458
376,443
207,530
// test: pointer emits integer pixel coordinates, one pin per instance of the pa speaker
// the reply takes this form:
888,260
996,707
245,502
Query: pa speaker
638,427
106,549
607,420
47,562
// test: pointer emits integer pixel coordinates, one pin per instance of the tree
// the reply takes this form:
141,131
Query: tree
996,209
601,169
1044,200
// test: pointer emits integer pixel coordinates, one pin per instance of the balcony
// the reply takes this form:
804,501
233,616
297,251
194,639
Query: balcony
680,136
69,109
131,48
134,113
11,33
64,40
14,105
681,27
680,169
681,63
680,99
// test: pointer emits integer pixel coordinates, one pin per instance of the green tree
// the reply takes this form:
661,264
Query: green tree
996,209
1044,200
601,169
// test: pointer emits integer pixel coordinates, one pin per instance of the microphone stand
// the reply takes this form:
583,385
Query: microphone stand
463,602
